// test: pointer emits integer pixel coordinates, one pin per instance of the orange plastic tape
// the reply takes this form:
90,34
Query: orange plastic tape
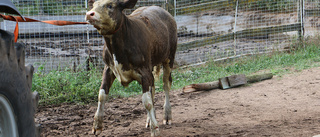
20,19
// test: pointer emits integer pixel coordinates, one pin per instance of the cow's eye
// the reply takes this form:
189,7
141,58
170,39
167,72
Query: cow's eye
109,6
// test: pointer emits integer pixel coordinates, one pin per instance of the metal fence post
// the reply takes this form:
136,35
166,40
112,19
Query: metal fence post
301,20
235,30
170,7
90,6
1,20
175,8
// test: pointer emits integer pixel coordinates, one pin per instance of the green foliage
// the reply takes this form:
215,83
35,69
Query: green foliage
51,7
28,9
66,86
273,5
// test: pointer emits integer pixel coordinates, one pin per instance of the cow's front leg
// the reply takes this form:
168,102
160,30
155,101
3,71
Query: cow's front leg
147,101
148,118
107,80
98,117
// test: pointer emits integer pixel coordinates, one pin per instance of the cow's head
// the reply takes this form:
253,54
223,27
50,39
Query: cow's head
106,15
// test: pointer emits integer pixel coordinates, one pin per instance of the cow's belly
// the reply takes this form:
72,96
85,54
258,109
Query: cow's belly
124,76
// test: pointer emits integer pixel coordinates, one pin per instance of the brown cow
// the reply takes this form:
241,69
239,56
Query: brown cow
135,44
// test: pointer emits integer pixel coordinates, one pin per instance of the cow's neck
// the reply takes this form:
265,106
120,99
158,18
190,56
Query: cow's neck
116,42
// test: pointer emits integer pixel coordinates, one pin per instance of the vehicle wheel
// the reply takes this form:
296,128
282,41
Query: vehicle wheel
16,104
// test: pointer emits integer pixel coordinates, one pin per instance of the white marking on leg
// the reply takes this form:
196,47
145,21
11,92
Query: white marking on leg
148,120
98,117
152,98
167,117
156,72
147,102
101,101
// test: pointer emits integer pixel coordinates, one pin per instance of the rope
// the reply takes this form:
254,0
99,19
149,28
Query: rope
20,19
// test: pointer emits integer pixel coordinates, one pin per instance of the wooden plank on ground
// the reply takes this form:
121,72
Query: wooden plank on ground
201,86
237,80
232,81
260,77
225,82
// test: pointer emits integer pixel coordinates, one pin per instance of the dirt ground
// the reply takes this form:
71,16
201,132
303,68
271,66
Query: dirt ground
283,106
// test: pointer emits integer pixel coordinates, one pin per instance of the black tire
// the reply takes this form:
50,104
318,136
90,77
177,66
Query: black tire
15,83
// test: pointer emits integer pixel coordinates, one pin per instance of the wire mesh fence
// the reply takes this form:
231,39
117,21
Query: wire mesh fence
232,28
207,29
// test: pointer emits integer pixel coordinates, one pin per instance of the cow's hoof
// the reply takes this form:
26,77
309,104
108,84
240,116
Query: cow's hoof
155,132
148,122
96,131
97,126
167,122
167,117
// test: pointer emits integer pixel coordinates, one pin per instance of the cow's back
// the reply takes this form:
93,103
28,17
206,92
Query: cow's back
164,29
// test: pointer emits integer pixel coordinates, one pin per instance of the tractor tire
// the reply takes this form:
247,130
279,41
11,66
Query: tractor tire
16,103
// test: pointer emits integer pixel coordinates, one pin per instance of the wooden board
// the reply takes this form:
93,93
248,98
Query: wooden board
237,80
201,87
223,83
232,81
227,82
260,77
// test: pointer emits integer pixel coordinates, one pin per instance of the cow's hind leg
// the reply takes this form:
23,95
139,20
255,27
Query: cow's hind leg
156,72
167,80
107,80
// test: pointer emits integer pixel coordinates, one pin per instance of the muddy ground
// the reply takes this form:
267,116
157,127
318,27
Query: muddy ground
286,105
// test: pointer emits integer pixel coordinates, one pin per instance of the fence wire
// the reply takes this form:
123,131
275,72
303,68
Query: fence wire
207,29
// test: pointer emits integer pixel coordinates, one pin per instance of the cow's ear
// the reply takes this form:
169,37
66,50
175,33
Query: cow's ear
128,4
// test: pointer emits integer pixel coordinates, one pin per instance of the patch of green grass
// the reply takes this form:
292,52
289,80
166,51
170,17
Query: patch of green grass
57,87
272,5
65,86
51,7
